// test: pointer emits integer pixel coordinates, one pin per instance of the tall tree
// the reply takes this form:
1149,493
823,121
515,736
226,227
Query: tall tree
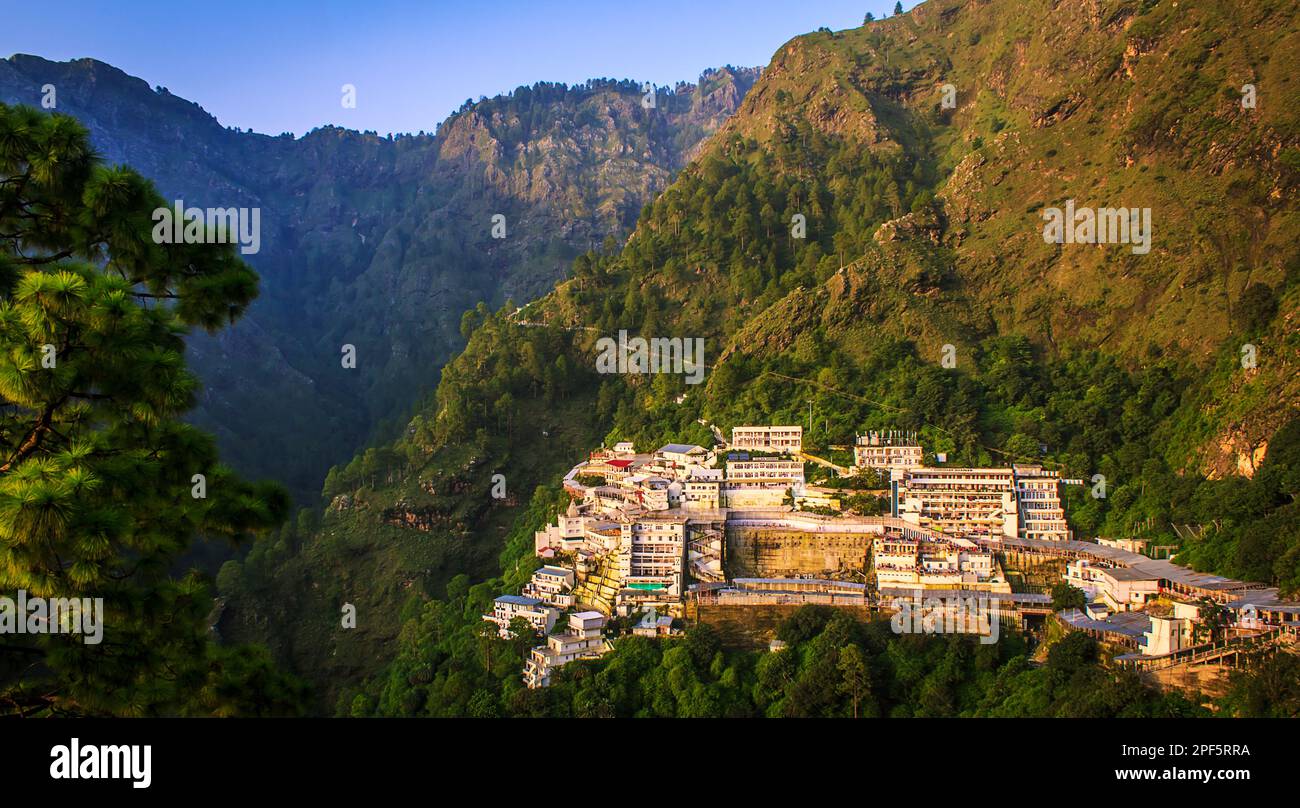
855,682
102,485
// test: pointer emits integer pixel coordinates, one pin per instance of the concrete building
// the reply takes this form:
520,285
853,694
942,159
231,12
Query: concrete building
1038,499
887,450
567,533
1126,629
1097,610
702,489
1021,502
1121,588
552,586
646,491
960,501
650,554
1138,546
507,607
761,482
612,468
581,640
908,560
1167,635
675,459
783,439
653,625
577,530
786,472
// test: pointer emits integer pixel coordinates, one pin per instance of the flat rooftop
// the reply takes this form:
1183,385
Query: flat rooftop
518,600
1128,574
1157,568
1129,624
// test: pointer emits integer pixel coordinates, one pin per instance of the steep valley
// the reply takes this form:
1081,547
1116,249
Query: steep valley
382,243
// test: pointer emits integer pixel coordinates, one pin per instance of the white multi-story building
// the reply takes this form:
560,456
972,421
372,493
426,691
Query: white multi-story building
1038,496
887,450
674,460
650,554
567,533
552,586
767,470
1023,501
507,607
908,561
646,491
702,489
960,501
581,640
786,439
1121,588
1167,635
576,531
761,483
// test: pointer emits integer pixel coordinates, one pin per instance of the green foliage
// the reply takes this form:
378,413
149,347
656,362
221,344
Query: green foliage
1065,596
1253,526
1256,308
1268,689
834,666
97,480
849,319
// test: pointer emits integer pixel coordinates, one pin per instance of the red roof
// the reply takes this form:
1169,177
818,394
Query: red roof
619,464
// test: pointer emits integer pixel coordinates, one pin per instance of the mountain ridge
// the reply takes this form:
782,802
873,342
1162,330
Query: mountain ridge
390,236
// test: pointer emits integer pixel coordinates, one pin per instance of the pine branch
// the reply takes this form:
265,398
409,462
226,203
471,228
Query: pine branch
58,256
35,436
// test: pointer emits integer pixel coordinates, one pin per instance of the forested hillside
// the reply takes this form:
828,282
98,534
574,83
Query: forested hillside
924,229
380,242
103,486
833,666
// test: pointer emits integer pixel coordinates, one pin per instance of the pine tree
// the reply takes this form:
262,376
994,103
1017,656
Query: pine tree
102,485
855,680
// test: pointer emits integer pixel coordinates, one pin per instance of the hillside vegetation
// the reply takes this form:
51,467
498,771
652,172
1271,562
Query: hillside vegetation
382,243
924,230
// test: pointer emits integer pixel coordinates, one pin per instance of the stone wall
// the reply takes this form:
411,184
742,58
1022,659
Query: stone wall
754,552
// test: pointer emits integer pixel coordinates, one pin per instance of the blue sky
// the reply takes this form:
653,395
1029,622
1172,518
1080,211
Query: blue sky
279,66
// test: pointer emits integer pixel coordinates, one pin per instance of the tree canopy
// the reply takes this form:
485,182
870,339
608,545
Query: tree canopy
103,487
